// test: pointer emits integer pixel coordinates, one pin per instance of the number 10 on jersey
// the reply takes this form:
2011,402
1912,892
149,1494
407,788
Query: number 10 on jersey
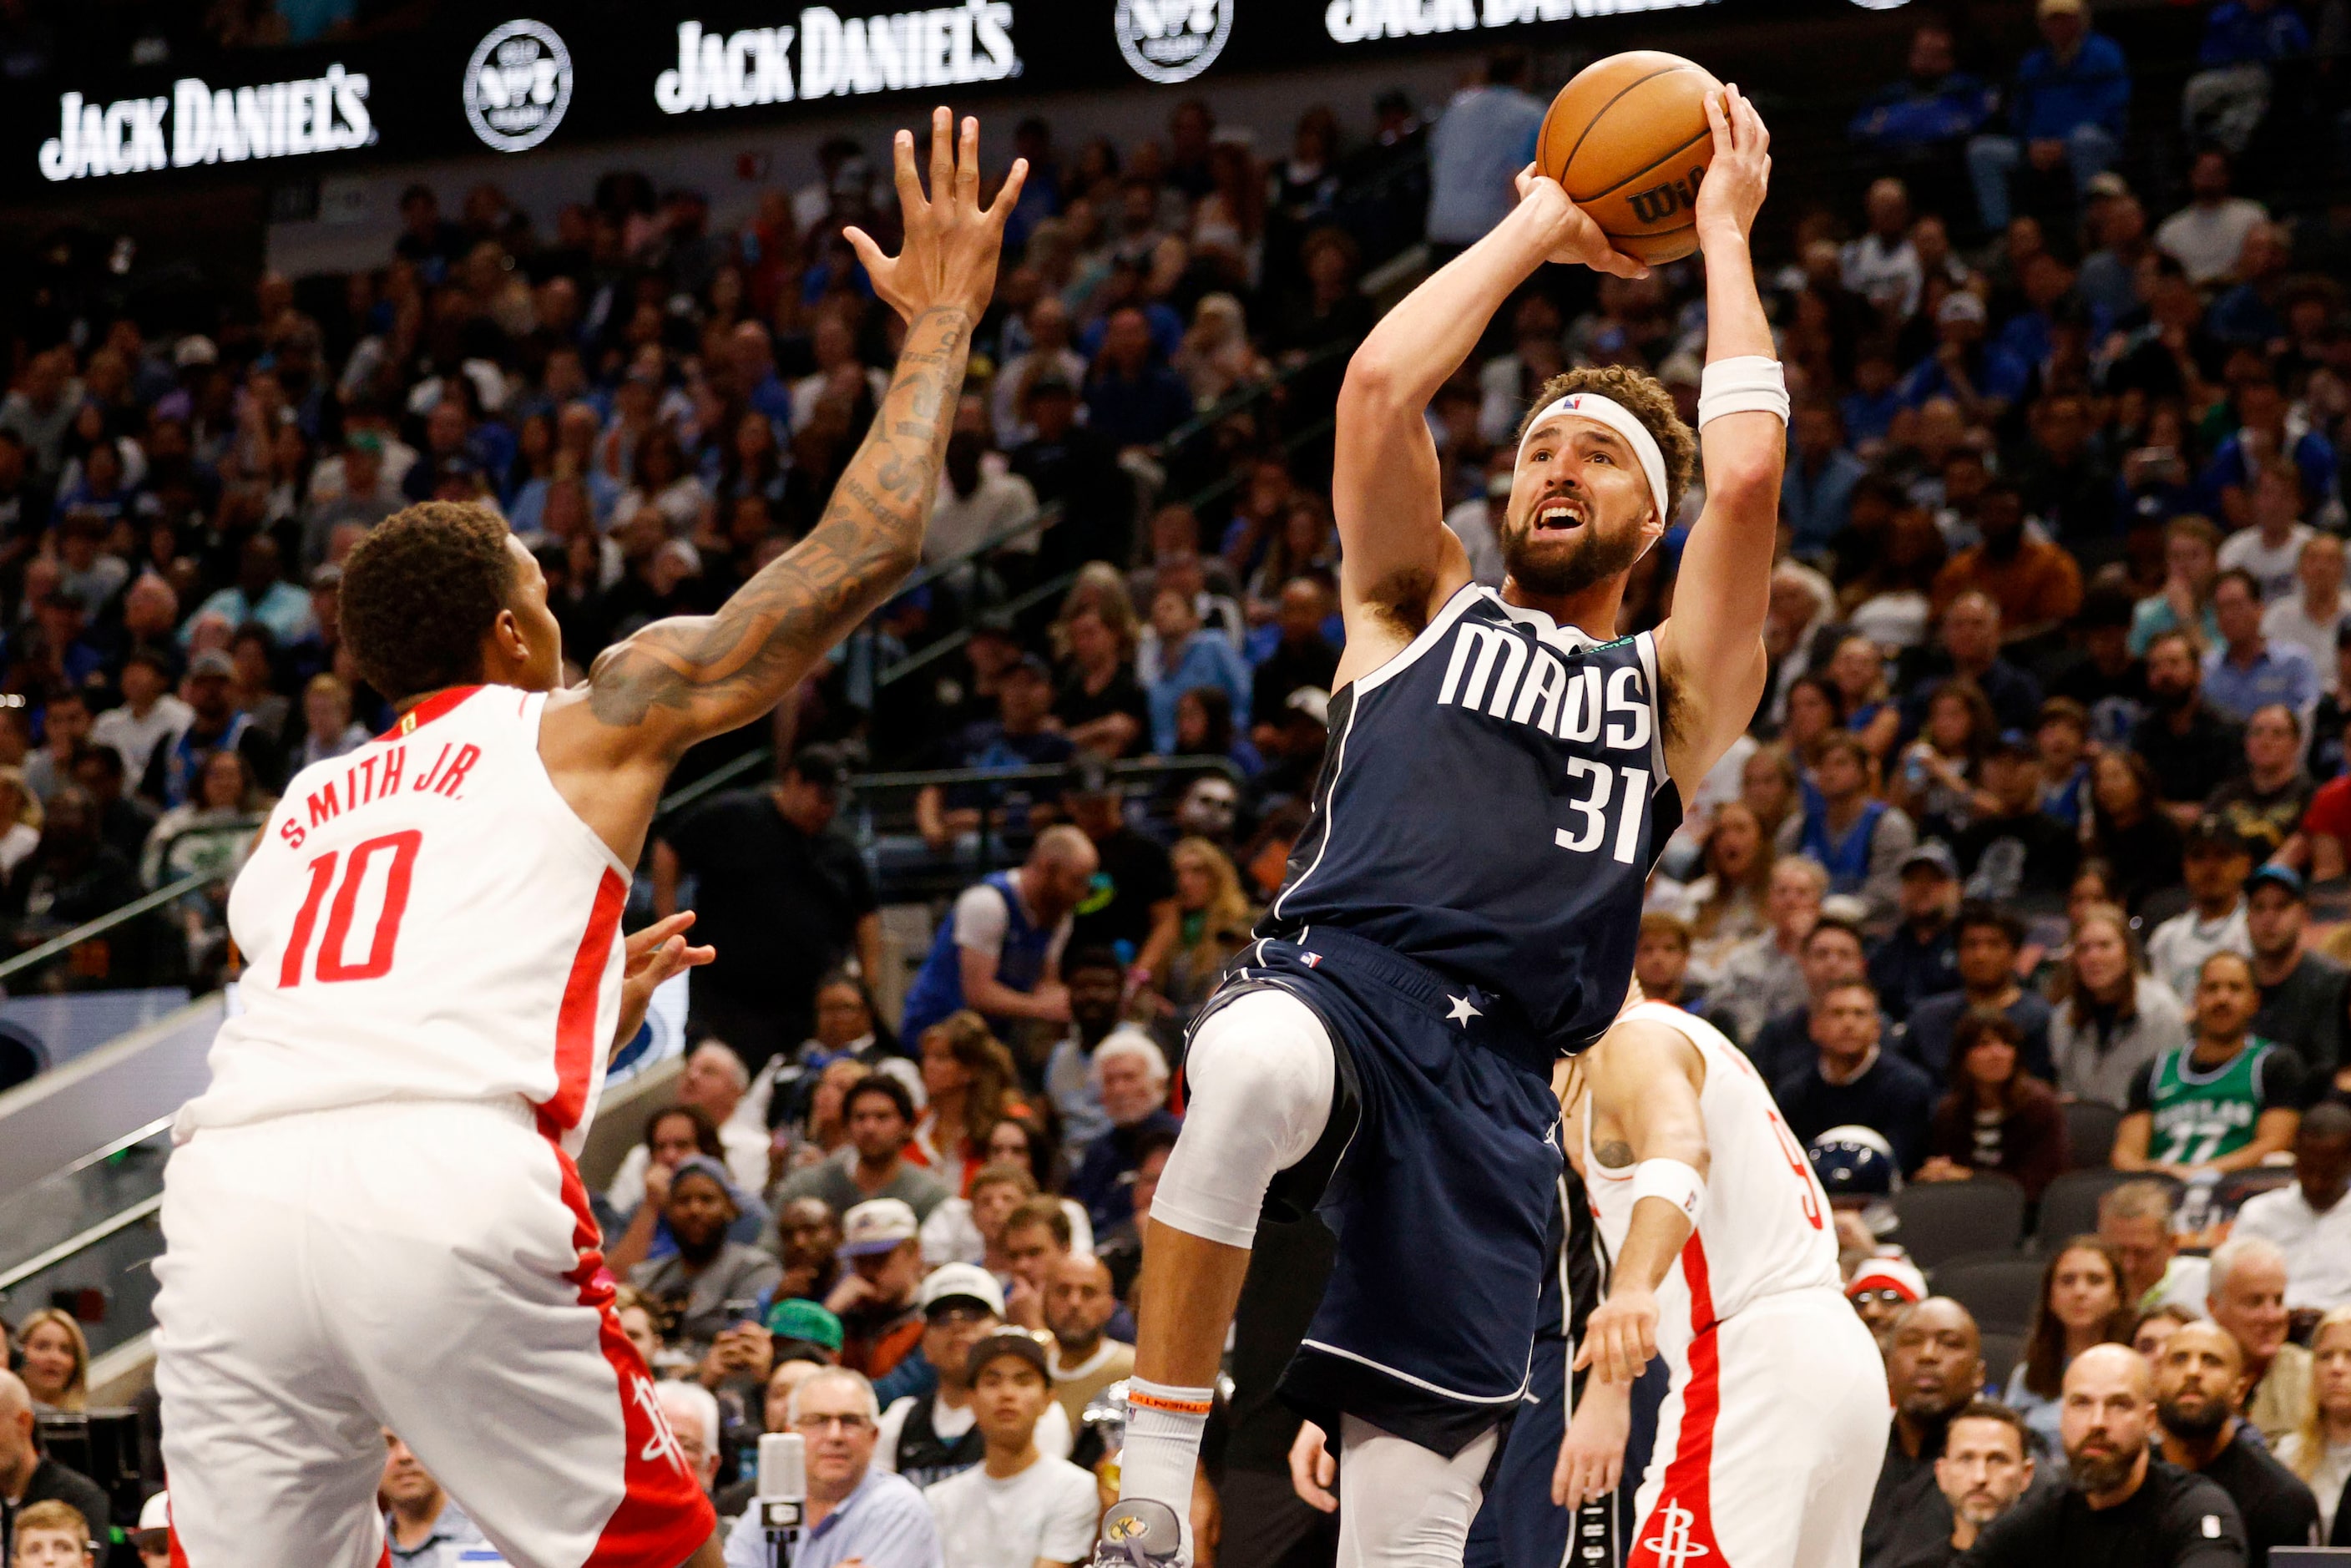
335,963
1593,808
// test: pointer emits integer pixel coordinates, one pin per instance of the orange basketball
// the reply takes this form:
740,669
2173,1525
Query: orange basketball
1629,140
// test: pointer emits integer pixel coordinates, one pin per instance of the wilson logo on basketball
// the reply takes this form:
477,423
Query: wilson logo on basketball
1661,202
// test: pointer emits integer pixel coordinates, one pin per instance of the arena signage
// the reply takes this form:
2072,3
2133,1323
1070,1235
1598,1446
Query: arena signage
196,123
1358,21
947,46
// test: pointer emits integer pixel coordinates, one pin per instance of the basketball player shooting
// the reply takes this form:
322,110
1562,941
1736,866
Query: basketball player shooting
372,1218
1463,907
1724,1263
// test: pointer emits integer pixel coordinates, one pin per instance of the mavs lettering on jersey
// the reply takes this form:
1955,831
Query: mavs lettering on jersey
1490,805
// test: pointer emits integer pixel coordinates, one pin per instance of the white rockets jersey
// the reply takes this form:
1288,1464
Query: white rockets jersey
1765,1226
424,919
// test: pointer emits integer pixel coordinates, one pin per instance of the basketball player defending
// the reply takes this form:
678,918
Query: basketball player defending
372,1217
1463,907
1724,1262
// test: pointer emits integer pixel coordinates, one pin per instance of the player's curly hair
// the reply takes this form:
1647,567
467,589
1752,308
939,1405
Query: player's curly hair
420,591
1645,399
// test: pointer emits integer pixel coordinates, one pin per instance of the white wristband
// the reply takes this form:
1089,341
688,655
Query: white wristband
1676,1183
1750,383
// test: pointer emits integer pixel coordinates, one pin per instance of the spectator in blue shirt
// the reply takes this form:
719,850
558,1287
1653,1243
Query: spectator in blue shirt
2227,480
2225,101
2248,670
1935,106
1983,380
855,1513
259,594
1130,396
2067,110
1816,490
2251,312
1485,137
1190,655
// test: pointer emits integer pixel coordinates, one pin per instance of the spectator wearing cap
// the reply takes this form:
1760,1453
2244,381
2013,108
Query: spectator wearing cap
214,721
2227,1101
999,952
2307,1221
880,1117
1990,939
2036,584
801,1330
153,1539
875,1300
2310,616
933,1433
1832,954
1129,906
423,1527
2015,851
1880,1288
2214,867
1983,378
857,1512
709,1283
1919,957
2265,803
1075,467
2303,992
2248,671
1935,1368
1021,735
1019,1505
1853,1080
1190,655
782,895
361,491
1130,1075
2067,110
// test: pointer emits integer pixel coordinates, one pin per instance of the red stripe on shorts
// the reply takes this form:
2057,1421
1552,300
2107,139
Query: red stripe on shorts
576,1045
1679,1531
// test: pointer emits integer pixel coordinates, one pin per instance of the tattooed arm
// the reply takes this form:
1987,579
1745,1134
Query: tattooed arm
610,744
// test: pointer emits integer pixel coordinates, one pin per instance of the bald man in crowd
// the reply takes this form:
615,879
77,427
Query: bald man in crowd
2196,1381
27,1476
999,953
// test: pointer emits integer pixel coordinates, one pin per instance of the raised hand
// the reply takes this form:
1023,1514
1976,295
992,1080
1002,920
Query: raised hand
651,956
952,242
1572,237
1732,192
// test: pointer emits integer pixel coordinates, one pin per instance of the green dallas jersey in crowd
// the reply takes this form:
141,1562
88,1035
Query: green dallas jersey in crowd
2202,1114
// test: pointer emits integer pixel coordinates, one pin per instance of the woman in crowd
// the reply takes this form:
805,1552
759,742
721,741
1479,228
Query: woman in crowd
1204,727
532,470
661,482
329,730
823,1130
1100,704
1216,922
1019,1138
753,464
212,833
254,653
1307,541
2081,1304
2129,828
970,1084
2319,1450
56,1367
1216,356
970,1228
635,1316
1935,784
1724,905
1857,670
1815,712
1771,787
2112,1017
1996,1117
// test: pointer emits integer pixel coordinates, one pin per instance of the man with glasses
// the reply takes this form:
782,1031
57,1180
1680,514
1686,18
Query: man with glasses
928,1437
856,1512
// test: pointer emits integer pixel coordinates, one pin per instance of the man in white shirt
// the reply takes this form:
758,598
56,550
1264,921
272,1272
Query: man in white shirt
929,1439
150,713
978,500
1018,1508
2214,867
1882,265
2309,1221
2272,548
713,1082
2307,618
2208,233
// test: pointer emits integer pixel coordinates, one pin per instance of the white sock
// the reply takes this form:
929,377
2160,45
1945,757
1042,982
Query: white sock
1163,1443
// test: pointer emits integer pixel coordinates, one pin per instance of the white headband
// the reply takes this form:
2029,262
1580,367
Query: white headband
1607,411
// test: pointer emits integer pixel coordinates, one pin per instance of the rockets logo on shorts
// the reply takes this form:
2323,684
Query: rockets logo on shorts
1674,1545
663,1443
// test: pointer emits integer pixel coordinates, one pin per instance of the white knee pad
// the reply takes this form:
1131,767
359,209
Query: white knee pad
1404,1506
1261,1070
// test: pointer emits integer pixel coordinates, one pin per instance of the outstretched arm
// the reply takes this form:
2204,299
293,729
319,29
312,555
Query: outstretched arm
1384,490
1712,648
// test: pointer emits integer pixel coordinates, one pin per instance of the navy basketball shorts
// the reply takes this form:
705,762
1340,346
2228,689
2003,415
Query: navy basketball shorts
1439,1173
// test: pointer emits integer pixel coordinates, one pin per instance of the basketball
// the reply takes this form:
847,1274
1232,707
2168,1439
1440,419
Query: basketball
1629,140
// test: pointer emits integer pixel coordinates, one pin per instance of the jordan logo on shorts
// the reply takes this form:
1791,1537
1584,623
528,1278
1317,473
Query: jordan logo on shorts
1672,1543
661,1443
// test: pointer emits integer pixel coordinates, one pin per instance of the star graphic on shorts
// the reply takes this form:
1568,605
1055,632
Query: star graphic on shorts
1462,1011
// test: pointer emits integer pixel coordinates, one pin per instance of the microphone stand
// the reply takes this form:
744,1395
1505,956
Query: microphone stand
782,1500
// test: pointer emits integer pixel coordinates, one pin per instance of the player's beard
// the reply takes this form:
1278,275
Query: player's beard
1539,566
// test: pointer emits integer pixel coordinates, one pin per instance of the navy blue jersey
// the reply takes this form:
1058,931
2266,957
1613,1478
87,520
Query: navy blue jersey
1491,803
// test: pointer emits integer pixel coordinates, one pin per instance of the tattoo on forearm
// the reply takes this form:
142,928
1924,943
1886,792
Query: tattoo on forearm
723,670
